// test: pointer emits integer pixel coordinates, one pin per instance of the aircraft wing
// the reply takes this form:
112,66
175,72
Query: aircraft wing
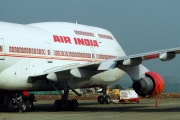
133,60
88,69
76,69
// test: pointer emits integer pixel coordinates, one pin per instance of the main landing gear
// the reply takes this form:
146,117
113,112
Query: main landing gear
17,101
104,98
64,104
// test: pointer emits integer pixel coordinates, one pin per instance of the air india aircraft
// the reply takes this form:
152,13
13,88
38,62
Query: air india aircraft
63,56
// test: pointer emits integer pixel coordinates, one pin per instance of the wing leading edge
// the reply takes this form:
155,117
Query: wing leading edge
137,59
88,69
66,72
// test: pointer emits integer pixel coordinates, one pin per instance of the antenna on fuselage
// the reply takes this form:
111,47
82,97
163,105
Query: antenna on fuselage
76,22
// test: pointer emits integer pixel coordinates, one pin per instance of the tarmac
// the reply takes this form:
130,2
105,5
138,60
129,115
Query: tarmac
147,109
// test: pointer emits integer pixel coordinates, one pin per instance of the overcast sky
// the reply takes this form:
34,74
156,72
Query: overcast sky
138,25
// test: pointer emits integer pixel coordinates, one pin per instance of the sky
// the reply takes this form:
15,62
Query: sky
138,25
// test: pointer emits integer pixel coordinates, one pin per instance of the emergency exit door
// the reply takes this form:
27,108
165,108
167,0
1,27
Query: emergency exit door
49,52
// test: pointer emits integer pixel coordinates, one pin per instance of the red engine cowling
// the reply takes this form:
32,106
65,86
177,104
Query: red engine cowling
151,85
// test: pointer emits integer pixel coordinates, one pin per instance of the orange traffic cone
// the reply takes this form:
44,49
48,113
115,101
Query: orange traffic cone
156,103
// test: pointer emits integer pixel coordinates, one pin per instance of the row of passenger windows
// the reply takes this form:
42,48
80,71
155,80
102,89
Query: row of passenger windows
41,51
82,55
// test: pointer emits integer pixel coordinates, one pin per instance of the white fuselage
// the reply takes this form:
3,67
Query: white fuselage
29,50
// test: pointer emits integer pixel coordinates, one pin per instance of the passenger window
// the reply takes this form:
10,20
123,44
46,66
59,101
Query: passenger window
49,52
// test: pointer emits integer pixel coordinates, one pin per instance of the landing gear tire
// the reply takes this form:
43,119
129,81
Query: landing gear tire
29,106
74,104
12,107
107,100
69,105
58,105
100,100
22,106
104,99
64,103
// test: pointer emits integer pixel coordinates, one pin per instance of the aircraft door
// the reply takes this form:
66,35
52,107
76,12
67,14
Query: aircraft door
49,52
2,49
93,54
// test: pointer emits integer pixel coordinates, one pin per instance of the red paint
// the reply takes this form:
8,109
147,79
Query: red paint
105,36
26,50
77,41
86,42
25,93
56,38
131,100
78,32
62,39
95,43
67,39
156,103
151,56
158,82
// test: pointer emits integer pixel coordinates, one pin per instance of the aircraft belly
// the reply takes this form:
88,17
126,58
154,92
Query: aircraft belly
17,79
108,77
104,78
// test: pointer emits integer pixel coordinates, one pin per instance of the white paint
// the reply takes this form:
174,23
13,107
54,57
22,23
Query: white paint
16,68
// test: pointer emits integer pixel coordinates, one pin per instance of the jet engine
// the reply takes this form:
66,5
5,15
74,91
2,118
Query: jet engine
149,86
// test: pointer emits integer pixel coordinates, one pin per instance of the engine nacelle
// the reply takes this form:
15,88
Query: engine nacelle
151,85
